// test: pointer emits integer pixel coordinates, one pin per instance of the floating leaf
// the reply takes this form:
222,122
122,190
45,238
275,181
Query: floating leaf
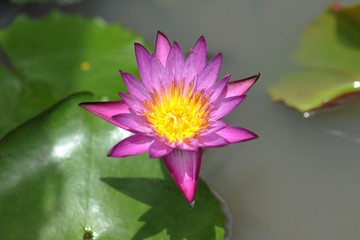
330,51
57,55
57,183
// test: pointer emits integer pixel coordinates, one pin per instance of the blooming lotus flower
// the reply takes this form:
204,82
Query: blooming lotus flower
176,109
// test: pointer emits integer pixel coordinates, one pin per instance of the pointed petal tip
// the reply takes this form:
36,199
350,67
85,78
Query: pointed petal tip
112,151
122,73
162,47
234,134
109,154
227,76
175,44
140,49
160,34
161,40
192,204
133,145
201,41
184,167
86,105
253,78
137,46
241,86
254,136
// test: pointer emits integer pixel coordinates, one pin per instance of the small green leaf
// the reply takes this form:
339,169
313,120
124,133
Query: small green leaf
58,55
57,183
330,50
325,88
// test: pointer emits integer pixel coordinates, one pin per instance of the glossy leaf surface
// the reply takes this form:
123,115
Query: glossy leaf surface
56,182
57,55
330,53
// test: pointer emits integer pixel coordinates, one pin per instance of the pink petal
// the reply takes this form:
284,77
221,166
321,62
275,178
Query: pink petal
226,106
196,60
175,63
240,87
192,145
133,145
106,110
184,167
157,73
159,149
209,74
132,101
219,88
235,134
134,86
133,122
216,126
212,140
162,47
143,58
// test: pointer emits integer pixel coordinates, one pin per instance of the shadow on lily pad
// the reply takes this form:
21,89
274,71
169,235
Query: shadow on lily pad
169,210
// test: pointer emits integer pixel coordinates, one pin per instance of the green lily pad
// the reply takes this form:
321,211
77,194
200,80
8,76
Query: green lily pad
57,183
58,55
330,53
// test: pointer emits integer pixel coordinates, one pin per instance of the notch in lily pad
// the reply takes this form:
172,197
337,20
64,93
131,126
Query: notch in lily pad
88,234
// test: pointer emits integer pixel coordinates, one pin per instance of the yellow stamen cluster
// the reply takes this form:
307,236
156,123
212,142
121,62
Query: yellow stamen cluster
177,115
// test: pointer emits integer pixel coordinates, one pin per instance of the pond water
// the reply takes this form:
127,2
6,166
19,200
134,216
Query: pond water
300,179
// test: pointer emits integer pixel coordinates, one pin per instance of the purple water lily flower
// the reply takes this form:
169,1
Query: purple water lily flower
176,109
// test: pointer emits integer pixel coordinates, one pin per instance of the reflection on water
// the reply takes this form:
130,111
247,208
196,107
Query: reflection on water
345,136
307,114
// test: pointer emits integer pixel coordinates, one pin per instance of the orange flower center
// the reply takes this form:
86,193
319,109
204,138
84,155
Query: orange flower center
177,115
